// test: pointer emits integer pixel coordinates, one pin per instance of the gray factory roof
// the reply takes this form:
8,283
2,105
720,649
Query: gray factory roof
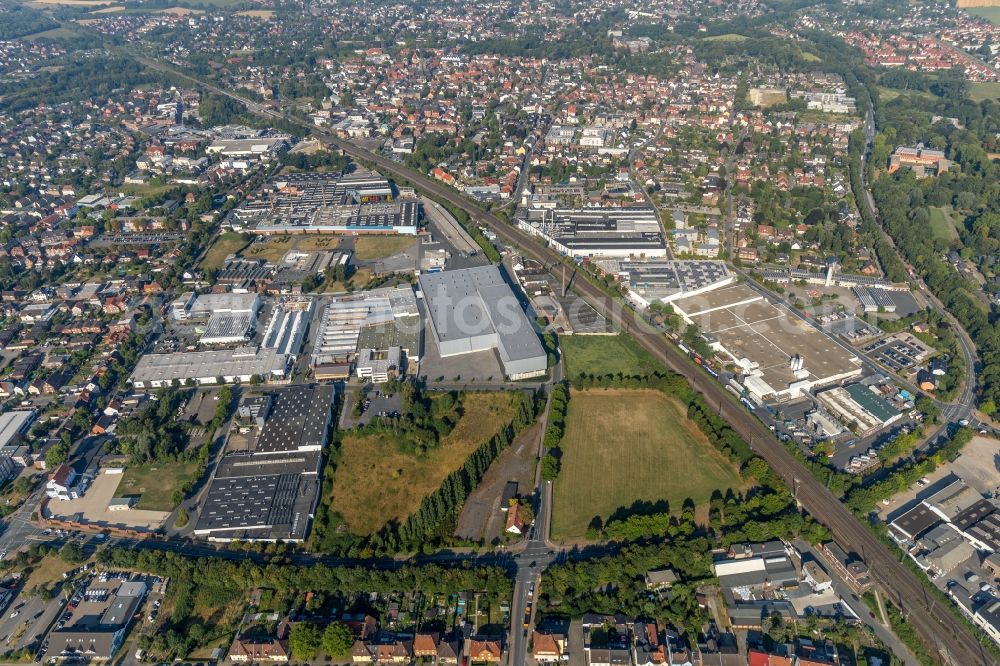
194,365
477,302
13,423
225,326
227,302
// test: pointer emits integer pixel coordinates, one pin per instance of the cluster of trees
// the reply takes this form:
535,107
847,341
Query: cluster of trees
554,432
307,638
220,110
19,20
862,499
77,426
900,200
152,434
87,78
215,584
433,522
424,420
324,160
615,583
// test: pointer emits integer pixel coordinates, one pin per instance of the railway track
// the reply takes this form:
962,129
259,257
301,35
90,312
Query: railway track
950,639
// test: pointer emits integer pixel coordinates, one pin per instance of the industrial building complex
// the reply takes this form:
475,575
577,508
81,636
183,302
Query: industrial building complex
665,281
362,202
599,232
208,367
473,310
267,484
780,355
372,326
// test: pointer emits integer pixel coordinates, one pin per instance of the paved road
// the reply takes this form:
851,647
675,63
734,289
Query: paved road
935,624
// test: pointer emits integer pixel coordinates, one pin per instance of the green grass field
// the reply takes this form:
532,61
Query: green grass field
983,90
991,14
375,483
624,446
888,94
941,224
605,355
225,245
155,484
380,247
728,37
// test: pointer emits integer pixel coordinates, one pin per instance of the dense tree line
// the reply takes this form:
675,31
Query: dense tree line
554,432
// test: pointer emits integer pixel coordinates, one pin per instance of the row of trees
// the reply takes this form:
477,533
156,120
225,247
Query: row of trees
433,522
863,499
554,432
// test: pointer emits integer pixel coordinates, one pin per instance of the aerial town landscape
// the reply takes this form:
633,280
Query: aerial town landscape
500,333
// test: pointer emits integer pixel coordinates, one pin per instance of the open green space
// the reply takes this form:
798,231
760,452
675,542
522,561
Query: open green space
991,14
61,32
605,355
155,483
941,224
225,245
728,37
375,482
888,94
380,247
628,446
983,90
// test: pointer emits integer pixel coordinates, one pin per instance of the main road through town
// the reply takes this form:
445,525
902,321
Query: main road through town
953,641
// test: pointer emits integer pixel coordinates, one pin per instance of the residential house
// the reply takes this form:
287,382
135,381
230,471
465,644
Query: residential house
255,649
396,652
62,483
548,648
660,579
426,645
486,650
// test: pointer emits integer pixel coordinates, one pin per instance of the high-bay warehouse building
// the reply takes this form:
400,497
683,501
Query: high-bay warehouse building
267,485
625,231
474,310
362,202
